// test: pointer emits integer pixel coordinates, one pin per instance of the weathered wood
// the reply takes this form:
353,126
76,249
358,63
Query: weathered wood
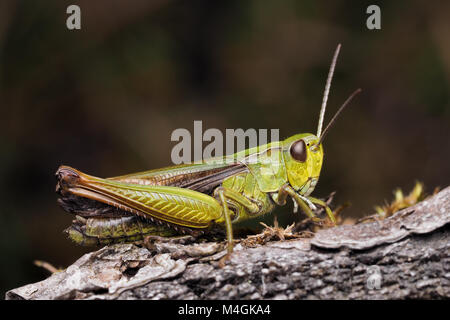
407,255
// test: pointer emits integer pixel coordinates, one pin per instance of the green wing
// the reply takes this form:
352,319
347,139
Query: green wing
202,177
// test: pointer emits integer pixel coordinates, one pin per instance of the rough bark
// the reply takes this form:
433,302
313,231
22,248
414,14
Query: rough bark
408,255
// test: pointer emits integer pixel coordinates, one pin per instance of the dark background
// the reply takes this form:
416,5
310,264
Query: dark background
105,99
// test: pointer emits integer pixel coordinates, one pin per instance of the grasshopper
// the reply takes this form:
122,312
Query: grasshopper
202,196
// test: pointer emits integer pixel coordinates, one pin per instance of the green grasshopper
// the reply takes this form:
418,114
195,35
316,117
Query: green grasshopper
198,197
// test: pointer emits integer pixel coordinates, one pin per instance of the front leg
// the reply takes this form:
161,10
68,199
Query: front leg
325,206
305,203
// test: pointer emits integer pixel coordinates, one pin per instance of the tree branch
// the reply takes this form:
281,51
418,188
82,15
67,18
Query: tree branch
404,256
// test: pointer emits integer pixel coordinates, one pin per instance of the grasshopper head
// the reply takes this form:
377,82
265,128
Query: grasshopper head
303,153
303,158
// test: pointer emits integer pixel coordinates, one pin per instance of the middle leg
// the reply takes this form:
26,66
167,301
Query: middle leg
226,195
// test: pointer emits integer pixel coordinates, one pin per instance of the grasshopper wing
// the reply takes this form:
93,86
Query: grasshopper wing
202,177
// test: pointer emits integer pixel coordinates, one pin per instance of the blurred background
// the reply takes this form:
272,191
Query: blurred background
105,99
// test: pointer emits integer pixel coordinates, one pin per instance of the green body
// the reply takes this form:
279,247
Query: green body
158,196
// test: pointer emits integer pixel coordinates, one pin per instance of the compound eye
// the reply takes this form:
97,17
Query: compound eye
298,150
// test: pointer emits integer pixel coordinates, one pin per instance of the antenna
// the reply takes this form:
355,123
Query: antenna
337,114
327,91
